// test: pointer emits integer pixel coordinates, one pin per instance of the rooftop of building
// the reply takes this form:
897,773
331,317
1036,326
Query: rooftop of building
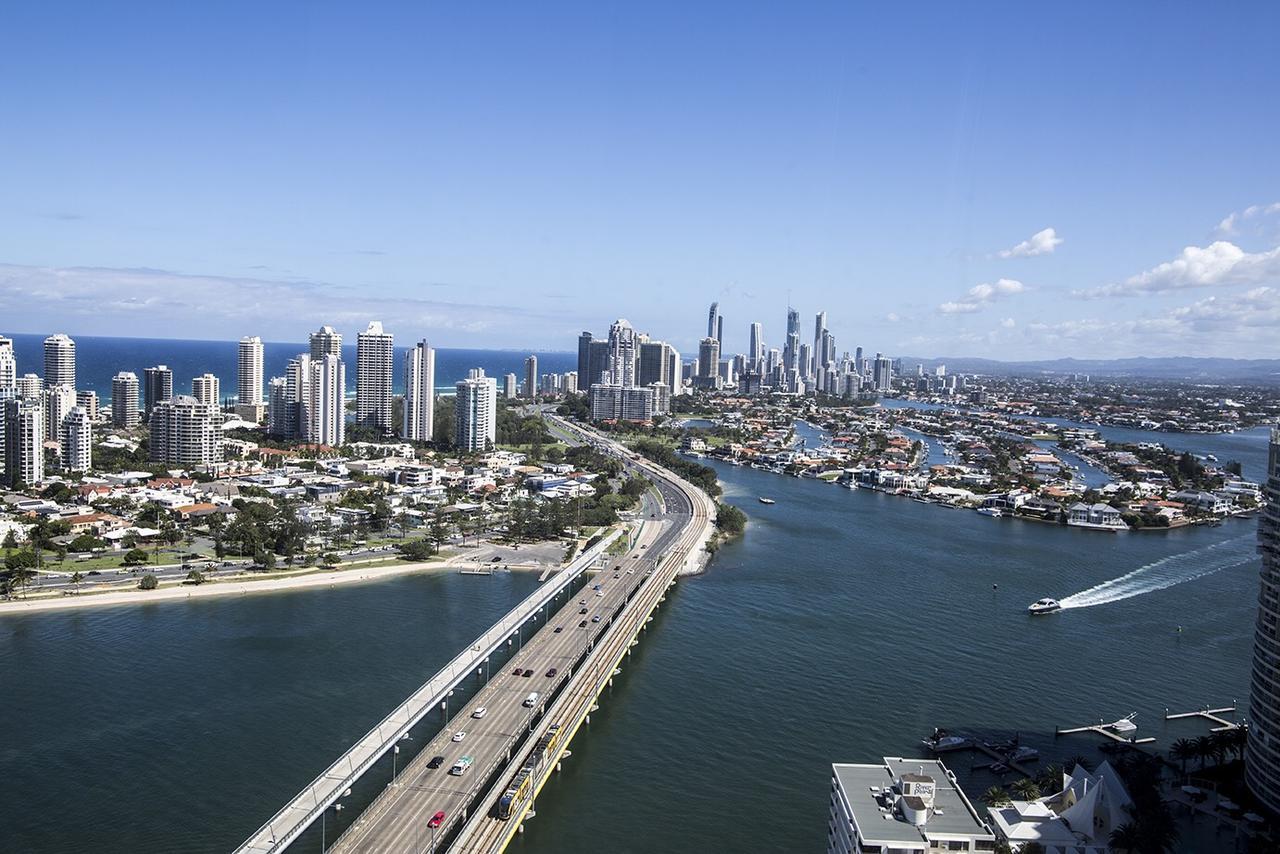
865,788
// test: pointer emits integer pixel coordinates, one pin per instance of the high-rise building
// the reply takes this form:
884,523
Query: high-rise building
297,395
655,364
374,353
673,371
282,413
882,373
23,441
713,321
791,349
419,393
157,386
720,330
326,342
124,399
326,410
59,360
58,401
186,432
510,387
476,414
708,360
584,358
1262,756
75,441
569,385
206,388
249,374
623,352
531,377
755,348
30,385
88,400
8,364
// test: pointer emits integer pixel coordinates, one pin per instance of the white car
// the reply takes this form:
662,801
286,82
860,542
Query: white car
480,712
460,735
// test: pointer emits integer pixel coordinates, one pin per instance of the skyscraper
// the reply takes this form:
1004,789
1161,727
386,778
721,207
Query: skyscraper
282,413
755,350
819,354
510,387
708,360
124,399
419,393
476,415
8,364
58,401
76,440
325,422
655,364
882,373
249,374
374,352
59,360
89,401
326,342
791,349
185,432
157,386
622,354
584,358
713,320
23,441
1262,756
207,388
531,377
720,330
30,385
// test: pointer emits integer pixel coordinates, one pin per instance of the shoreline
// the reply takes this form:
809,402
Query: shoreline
187,592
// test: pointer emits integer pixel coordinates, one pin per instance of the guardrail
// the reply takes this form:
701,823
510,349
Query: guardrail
297,815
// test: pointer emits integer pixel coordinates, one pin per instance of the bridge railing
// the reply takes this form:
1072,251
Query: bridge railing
296,816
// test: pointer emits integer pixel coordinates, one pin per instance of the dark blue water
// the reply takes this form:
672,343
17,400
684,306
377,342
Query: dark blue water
99,359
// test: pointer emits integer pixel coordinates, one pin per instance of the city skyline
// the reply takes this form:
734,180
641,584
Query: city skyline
949,189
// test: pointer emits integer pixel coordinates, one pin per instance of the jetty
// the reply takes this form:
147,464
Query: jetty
1211,715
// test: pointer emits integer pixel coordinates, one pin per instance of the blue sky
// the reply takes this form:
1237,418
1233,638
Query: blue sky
508,174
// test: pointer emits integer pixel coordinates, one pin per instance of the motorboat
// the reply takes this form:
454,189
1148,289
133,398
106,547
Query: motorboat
764,500
991,511
1024,754
1044,606
1124,724
945,743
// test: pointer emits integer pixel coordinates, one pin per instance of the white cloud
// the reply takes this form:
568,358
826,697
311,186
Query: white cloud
980,295
1008,323
892,317
1040,243
1229,223
98,300
1219,264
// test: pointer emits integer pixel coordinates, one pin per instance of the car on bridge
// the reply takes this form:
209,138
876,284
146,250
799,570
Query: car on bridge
559,629
519,671
582,625
480,712
436,762
460,735
596,618
551,672
436,820
527,673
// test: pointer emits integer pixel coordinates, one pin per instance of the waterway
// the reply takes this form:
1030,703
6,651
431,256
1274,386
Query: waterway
843,627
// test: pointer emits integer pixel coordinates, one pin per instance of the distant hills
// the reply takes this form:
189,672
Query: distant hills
1191,368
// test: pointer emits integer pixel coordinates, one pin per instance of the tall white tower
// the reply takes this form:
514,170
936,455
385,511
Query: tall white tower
59,360
76,440
476,418
374,349
207,389
419,393
249,373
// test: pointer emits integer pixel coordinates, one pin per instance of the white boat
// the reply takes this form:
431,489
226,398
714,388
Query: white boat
947,742
767,501
1044,606
1024,754
1124,724
991,511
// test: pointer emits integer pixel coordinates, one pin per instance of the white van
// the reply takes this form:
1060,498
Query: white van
460,767
531,700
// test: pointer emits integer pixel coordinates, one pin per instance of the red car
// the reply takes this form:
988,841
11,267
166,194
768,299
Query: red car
436,819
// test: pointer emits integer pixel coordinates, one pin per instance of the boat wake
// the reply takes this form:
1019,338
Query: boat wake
1166,572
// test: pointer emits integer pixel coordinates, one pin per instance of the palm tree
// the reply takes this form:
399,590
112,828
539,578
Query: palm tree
1050,778
76,578
1125,839
1025,789
1204,749
1182,750
1073,761
995,796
